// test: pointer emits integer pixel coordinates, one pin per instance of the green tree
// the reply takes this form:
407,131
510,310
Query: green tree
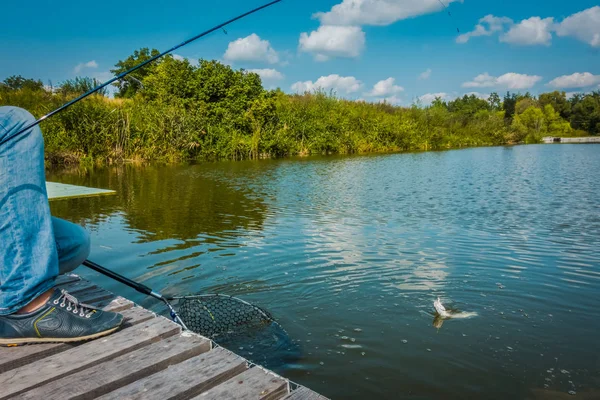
171,81
556,125
130,85
17,82
508,105
438,102
530,125
524,103
585,113
495,101
558,101
467,106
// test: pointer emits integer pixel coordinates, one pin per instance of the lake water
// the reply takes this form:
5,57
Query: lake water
349,254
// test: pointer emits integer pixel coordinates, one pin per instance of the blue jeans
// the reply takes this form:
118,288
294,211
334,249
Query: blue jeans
34,247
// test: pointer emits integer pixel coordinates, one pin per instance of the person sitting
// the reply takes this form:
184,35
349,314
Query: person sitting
36,247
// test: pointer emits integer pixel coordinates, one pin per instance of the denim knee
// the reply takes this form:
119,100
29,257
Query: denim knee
18,119
73,245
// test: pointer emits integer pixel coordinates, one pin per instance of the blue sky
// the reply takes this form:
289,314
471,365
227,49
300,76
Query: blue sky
397,50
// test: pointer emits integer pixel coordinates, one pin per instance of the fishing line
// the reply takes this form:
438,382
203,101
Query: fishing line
142,64
449,13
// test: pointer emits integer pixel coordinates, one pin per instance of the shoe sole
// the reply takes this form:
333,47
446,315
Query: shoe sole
25,341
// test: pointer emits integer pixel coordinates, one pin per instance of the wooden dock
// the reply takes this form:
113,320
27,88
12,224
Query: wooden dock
148,358
590,139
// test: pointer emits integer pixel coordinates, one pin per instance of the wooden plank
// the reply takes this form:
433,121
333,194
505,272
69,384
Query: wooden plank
67,278
184,380
119,304
254,383
111,304
303,393
94,295
14,357
77,286
83,356
59,191
108,376
137,315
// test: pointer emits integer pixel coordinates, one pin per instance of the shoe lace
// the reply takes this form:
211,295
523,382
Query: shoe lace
74,305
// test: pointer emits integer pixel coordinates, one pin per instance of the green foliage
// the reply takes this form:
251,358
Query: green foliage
585,112
524,103
558,101
179,111
495,101
79,86
130,85
508,105
556,125
530,125
17,82
468,106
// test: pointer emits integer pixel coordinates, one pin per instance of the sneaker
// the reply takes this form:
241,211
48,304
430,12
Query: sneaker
62,319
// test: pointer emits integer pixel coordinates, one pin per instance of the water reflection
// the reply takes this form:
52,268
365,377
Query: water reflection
159,203
349,252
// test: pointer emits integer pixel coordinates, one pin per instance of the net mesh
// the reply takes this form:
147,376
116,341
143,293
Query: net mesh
214,315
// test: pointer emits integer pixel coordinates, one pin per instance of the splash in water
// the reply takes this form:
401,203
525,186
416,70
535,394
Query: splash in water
443,314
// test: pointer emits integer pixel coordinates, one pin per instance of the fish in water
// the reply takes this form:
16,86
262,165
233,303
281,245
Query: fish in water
440,309
443,314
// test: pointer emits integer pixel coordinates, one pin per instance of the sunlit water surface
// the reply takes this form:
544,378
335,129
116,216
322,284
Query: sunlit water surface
349,253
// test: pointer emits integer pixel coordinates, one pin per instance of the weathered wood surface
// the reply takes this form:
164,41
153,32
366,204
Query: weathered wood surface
184,380
254,383
59,191
303,393
148,358
84,356
121,371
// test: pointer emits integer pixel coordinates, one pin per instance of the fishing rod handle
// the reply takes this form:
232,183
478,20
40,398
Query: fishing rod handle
120,278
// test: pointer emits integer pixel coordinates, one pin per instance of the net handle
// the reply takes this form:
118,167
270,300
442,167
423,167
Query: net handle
141,288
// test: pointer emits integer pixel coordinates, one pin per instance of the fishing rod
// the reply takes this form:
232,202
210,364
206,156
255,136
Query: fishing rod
142,64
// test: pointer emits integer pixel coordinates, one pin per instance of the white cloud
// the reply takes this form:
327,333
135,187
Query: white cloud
430,97
333,41
251,48
340,84
576,80
425,74
268,74
90,64
510,80
494,25
482,80
584,25
378,12
529,32
385,88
